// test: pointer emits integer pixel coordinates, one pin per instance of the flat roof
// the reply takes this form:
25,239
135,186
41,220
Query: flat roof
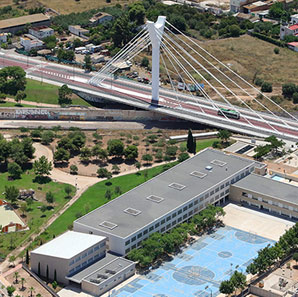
135,209
109,262
68,245
23,20
269,187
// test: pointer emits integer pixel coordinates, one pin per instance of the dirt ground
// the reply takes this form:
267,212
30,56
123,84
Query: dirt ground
29,282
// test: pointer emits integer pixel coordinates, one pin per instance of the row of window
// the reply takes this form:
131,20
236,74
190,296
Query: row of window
87,253
85,263
274,203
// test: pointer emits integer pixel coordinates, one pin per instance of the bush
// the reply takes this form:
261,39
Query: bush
103,172
289,89
183,156
266,87
258,81
295,98
276,50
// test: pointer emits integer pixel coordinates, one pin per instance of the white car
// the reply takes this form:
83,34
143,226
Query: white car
181,86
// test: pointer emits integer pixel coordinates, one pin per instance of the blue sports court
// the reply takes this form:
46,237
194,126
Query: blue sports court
200,268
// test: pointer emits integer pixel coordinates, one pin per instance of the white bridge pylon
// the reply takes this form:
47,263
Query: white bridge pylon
155,33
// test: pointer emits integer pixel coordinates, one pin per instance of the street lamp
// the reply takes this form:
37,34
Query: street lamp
207,287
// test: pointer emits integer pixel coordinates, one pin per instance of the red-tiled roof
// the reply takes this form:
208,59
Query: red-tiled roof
295,44
293,27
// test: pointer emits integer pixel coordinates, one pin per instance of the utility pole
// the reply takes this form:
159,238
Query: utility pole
155,33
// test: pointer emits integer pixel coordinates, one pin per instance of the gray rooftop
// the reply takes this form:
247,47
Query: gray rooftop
122,222
103,267
269,187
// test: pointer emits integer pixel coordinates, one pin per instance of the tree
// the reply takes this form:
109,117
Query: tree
145,62
138,165
73,169
61,155
115,147
64,95
11,194
136,13
14,170
171,151
10,290
275,144
295,257
226,287
2,97
158,156
289,89
295,98
20,96
68,191
103,172
147,158
190,141
266,87
23,208
122,31
85,154
29,202
11,260
55,276
178,21
50,197
118,190
238,279
31,289
234,30
27,258
115,168
131,152
42,166
47,137
87,63
108,194
99,153
224,135
13,79
183,156
22,282
16,275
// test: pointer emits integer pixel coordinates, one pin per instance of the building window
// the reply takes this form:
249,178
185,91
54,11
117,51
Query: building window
202,198
102,244
84,263
227,183
78,259
222,186
185,208
90,252
133,239
216,190
196,202
163,221
71,262
163,229
96,248
156,225
151,228
179,219
145,232
179,211
185,216
90,260
190,205
127,251
168,218
212,192
168,226
196,209
190,213
174,223
206,196
127,242
133,247
140,235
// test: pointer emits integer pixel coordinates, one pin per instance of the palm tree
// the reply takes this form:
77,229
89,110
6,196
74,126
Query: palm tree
31,291
16,275
22,281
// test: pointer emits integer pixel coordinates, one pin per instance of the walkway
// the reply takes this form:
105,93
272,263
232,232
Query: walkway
35,104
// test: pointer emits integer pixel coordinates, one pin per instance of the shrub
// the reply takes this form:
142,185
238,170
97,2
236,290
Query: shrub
258,81
276,50
295,98
266,87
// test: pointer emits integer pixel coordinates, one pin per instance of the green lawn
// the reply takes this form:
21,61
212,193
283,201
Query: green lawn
12,104
46,93
202,144
34,216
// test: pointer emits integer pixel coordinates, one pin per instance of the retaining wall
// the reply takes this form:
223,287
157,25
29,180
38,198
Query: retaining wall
81,114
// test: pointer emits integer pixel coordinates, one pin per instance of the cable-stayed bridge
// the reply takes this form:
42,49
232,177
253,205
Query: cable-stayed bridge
226,100
230,102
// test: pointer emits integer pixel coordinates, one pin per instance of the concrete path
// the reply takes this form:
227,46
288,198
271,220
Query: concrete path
33,103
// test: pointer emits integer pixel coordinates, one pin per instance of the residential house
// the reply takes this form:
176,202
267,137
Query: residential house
293,46
78,31
30,42
286,30
41,32
100,18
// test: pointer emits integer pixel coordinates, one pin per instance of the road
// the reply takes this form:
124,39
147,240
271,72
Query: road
187,107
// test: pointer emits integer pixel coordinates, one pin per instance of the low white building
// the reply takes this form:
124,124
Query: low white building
30,42
67,254
78,30
80,259
294,19
97,58
3,37
41,32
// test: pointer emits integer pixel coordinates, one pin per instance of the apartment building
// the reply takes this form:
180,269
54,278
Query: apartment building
166,200
267,195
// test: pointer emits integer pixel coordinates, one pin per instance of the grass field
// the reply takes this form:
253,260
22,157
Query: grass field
202,144
35,218
46,93
94,196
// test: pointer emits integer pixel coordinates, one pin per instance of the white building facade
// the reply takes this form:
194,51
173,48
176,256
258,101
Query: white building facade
41,32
